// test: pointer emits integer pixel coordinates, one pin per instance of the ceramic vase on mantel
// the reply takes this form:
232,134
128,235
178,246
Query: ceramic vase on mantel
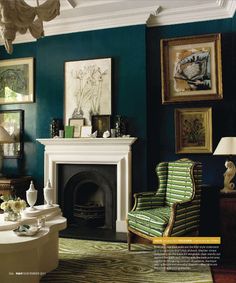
31,196
48,192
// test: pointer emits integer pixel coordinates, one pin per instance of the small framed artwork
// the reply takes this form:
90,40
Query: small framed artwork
17,82
193,130
13,122
101,124
191,68
87,89
77,123
86,131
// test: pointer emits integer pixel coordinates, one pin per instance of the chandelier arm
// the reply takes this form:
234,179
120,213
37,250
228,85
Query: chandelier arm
18,16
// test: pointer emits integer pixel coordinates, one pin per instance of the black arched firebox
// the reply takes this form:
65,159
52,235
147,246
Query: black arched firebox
87,194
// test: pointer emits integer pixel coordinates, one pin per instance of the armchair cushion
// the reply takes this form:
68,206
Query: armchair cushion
151,222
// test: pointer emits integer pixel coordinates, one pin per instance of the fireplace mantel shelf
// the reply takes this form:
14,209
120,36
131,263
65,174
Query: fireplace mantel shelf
88,141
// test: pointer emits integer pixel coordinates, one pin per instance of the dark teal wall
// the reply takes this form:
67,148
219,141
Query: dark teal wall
161,132
132,95
127,48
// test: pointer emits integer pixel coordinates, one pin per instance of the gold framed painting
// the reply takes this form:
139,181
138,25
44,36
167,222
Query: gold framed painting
191,68
193,130
16,81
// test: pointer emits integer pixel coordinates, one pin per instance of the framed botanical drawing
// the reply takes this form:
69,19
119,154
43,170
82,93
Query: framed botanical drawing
101,124
191,68
13,122
193,130
16,81
77,123
87,89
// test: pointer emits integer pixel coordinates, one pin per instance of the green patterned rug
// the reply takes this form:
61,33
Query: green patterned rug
83,261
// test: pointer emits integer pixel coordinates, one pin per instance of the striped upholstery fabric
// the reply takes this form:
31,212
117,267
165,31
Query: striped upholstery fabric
151,221
188,217
178,195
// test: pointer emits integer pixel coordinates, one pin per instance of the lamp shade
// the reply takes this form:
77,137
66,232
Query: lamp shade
226,146
4,136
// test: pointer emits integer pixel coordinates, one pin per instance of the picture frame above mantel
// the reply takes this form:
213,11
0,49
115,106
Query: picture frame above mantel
87,89
191,68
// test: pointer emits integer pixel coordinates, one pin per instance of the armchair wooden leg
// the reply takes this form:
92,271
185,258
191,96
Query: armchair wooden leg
129,239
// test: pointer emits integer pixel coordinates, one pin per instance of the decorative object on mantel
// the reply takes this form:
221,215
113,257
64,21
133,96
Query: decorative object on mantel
106,134
227,146
77,123
86,131
94,134
18,16
48,192
4,138
31,196
120,126
69,132
12,207
101,124
55,127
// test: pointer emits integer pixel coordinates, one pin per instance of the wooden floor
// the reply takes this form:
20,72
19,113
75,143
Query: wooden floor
225,273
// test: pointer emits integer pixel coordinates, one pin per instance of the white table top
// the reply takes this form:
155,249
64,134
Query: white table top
9,241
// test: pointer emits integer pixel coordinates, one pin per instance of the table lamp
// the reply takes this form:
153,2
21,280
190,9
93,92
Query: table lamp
4,138
227,146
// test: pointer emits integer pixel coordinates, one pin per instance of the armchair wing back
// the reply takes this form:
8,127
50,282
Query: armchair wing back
174,209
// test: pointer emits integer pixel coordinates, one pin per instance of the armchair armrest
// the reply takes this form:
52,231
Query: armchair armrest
146,200
143,194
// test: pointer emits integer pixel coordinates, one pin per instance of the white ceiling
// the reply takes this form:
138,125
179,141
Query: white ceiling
84,15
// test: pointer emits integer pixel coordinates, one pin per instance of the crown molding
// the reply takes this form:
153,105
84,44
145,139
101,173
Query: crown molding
219,9
102,14
105,14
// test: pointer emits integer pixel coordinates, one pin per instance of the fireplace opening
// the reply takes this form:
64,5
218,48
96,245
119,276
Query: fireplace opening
87,195
89,205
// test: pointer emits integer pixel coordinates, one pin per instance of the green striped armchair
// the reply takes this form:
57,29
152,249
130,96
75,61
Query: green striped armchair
172,210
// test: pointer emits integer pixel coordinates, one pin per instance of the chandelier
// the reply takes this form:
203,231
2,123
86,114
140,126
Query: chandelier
18,16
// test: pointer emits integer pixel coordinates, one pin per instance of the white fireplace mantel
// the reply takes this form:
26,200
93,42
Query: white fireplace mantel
93,151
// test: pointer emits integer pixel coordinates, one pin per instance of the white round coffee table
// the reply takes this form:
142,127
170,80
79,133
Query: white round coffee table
25,259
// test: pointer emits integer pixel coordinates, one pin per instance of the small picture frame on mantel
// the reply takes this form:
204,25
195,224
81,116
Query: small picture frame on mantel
77,123
101,124
86,131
